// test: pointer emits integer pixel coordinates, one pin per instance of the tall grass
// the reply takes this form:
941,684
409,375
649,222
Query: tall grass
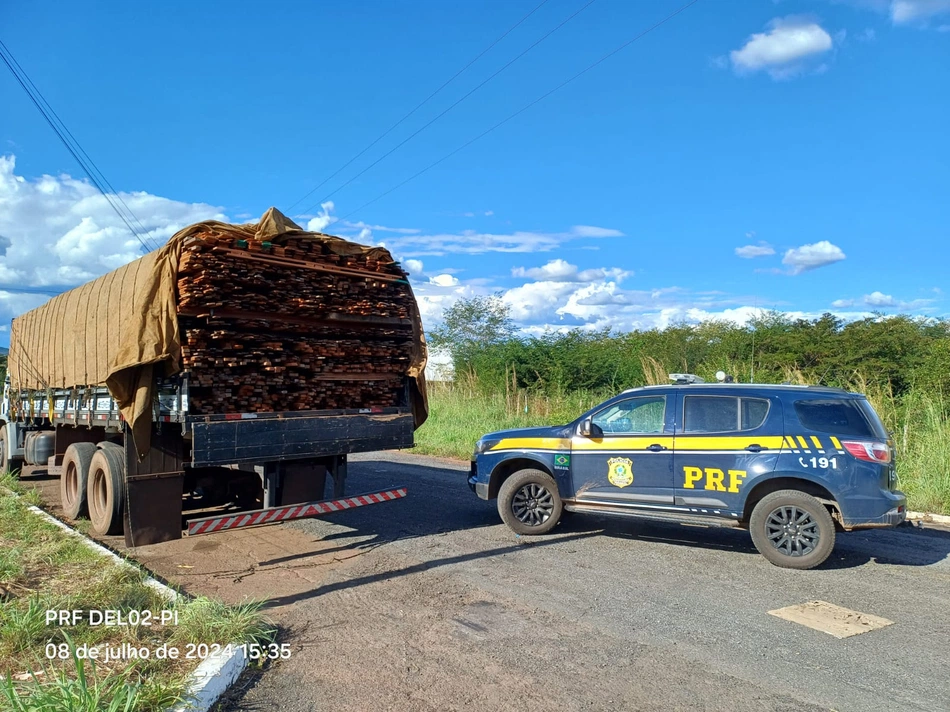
462,412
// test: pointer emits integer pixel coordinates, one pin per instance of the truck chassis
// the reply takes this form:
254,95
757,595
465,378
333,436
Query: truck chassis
271,459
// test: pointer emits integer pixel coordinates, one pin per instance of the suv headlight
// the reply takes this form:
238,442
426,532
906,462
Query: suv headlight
484,445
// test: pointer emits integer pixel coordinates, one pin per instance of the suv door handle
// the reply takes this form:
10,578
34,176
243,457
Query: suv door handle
755,448
656,447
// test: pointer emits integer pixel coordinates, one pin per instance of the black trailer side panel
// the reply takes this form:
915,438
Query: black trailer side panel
217,442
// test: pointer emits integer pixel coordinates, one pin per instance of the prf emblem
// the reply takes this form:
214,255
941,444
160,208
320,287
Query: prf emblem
620,471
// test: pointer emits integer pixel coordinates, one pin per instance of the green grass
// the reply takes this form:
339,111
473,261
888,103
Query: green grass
460,413
43,568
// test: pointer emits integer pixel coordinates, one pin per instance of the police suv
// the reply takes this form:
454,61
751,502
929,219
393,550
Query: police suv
792,464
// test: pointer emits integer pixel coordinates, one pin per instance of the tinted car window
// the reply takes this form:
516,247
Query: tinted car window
721,414
634,415
754,412
841,417
710,414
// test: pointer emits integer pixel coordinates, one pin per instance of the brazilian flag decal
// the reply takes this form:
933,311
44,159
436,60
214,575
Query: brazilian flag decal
562,462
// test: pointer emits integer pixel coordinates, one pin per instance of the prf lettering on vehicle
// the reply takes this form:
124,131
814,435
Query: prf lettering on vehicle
713,478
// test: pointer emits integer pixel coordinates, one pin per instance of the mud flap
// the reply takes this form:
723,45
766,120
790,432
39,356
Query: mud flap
153,488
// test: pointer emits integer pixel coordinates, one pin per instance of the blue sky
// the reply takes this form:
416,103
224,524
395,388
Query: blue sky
812,134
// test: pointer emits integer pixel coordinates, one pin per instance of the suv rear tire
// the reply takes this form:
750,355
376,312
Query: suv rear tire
529,503
792,529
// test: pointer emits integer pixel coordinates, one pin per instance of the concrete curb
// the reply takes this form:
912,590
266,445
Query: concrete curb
216,673
929,518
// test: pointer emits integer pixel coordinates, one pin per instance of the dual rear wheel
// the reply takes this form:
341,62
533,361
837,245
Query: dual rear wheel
93,481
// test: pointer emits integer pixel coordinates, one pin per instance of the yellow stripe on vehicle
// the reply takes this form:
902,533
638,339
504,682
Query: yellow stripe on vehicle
803,444
816,441
532,444
641,442
790,443
836,442
729,442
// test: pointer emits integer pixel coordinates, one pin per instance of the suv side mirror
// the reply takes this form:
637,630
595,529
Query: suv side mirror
587,427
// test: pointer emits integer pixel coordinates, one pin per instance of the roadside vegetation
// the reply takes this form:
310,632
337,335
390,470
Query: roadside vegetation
501,381
43,568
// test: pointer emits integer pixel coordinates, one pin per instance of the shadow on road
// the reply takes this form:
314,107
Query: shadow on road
424,566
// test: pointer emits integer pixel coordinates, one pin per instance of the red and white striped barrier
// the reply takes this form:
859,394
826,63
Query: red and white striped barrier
292,511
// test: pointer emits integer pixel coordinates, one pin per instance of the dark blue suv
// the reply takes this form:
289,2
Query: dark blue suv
792,464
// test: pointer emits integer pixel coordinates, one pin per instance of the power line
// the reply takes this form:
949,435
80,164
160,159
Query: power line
417,107
98,179
523,108
451,106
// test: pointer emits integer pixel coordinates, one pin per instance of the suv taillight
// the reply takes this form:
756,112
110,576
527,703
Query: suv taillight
868,451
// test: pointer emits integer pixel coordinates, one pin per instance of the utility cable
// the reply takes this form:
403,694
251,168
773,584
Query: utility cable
418,106
523,108
75,149
451,106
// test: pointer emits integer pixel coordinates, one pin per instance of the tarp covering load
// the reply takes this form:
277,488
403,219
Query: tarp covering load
263,317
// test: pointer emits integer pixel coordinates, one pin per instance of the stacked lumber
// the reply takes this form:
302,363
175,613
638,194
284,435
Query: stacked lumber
291,326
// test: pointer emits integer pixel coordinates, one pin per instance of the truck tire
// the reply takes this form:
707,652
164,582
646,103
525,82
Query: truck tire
73,483
106,490
7,464
529,503
792,529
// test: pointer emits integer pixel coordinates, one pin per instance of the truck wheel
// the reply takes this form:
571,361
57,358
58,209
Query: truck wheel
106,490
529,503
792,529
73,481
7,464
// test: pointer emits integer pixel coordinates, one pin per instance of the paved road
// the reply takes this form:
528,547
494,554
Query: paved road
433,604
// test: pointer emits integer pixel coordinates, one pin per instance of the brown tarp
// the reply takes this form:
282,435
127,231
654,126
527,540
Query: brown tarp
121,330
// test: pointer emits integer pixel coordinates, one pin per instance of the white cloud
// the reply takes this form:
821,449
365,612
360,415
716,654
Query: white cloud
904,12
879,300
809,257
58,230
785,50
444,280
378,228
489,213
593,231
915,13
561,271
472,242
763,249
414,266
537,301
321,221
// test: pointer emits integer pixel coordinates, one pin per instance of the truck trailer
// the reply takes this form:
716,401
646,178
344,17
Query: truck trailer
217,381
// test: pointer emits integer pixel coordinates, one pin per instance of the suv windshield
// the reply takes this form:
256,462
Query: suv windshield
840,417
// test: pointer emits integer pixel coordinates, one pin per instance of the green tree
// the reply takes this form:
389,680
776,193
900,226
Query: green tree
471,326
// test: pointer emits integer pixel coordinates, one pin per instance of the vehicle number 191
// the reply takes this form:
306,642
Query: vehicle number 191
822,463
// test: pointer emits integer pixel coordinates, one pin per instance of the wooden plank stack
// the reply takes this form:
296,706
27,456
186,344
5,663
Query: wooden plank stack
294,326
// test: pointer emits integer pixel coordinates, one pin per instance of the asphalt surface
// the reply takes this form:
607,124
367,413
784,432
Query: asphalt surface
430,603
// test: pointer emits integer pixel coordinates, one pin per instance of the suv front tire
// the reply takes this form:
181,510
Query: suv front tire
529,503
